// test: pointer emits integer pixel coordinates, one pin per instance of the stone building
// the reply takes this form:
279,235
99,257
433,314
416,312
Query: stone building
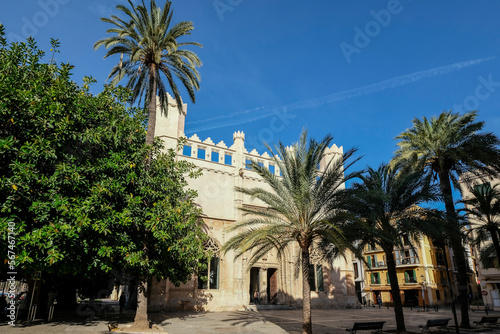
231,282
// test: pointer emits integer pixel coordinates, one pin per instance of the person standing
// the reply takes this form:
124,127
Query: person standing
256,298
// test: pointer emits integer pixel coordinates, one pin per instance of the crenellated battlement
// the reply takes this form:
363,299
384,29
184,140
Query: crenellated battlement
237,155
171,128
238,135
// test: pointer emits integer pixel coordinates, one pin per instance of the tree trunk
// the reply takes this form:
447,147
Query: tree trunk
396,297
494,240
457,245
306,293
448,276
150,135
141,315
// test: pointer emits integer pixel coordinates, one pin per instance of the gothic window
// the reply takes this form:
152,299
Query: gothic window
208,278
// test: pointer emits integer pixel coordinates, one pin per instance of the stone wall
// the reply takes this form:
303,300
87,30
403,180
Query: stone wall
224,168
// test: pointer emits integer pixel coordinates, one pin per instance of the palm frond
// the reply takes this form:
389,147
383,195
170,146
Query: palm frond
151,45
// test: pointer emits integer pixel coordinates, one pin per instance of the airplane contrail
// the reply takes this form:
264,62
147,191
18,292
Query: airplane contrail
267,111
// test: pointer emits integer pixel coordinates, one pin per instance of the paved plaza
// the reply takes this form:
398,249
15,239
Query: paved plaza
264,321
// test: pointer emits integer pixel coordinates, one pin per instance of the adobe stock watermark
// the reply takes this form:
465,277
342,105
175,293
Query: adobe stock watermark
483,91
223,6
32,24
277,123
363,37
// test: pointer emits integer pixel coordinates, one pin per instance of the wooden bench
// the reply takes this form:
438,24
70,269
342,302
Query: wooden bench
364,326
441,323
490,321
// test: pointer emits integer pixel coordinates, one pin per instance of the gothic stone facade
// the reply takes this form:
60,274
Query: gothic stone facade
231,282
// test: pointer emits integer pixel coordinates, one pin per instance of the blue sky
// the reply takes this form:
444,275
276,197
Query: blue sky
361,70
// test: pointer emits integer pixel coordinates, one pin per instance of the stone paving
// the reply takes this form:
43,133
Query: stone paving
337,320
331,321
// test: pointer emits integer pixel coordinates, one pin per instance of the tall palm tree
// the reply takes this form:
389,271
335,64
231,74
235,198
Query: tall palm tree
153,52
448,146
302,208
484,208
385,205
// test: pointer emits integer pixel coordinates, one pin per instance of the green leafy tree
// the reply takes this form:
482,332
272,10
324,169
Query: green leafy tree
448,146
163,237
74,181
301,208
153,52
384,205
484,209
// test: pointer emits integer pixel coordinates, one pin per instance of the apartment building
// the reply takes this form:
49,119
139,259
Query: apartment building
488,274
421,272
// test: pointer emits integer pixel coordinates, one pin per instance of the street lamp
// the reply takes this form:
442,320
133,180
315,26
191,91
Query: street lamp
423,291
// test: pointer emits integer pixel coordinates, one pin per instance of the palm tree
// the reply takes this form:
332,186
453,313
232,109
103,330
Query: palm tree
435,229
484,207
302,208
385,205
152,49
448,146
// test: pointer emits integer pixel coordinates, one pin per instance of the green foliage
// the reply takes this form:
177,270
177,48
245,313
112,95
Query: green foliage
450,143
447,146
483,209
303,204
153,54
302,208
384,210
74,180
385,205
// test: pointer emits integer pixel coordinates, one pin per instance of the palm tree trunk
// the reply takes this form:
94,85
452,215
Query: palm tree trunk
396,297
456,244
495,241
141,315
150,135
306,293
448,276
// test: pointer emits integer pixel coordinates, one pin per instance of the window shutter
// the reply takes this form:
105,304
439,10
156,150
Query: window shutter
319,277
369,260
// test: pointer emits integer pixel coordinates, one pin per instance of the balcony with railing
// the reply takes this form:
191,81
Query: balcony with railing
407,261
376,265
